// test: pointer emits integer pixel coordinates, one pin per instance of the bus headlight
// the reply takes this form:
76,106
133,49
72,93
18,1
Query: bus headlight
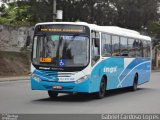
81,79
35,77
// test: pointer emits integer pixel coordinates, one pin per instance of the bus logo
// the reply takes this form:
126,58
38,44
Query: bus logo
110,69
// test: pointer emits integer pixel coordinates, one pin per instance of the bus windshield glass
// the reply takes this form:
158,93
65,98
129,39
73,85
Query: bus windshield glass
61,50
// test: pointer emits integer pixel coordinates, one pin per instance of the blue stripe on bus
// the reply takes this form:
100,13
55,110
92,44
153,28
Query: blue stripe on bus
138,68
123,76
134,63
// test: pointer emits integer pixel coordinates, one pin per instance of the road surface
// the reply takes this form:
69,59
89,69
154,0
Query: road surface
17,97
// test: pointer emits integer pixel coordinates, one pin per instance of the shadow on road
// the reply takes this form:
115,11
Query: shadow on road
81,97
77,97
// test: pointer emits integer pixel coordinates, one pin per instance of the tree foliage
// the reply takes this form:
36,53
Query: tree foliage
154,27
40,11
132,14
15,15
125,13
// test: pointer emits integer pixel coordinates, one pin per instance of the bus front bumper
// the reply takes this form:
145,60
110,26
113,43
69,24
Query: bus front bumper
66,87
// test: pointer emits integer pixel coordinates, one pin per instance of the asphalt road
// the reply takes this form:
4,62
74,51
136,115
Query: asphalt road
17,97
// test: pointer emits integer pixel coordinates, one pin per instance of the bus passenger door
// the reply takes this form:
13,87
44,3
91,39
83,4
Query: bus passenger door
95,56
95,53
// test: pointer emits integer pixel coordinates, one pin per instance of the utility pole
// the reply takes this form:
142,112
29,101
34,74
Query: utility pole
54,10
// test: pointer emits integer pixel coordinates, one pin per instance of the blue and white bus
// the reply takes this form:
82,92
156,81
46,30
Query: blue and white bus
71,57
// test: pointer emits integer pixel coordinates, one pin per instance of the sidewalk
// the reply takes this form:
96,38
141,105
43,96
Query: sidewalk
15,78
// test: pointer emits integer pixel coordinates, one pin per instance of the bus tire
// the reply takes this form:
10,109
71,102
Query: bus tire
52,94
135,83
102,89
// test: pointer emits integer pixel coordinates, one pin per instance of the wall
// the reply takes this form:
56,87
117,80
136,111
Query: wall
13,39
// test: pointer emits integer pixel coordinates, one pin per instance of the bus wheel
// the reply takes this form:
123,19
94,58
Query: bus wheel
102,89
135,83
52,94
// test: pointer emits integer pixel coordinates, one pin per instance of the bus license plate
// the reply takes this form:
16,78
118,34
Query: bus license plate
57,87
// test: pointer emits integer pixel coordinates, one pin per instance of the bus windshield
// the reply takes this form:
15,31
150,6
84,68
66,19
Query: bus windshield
61,50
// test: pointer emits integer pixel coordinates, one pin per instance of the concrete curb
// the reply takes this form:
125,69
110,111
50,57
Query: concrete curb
18,78
155,70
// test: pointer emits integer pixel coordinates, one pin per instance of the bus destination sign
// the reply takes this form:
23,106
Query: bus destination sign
61,28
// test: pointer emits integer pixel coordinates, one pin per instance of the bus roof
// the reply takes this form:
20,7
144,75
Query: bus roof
108,29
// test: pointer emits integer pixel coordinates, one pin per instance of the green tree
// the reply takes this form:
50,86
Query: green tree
134,14
15,15
154,27
2,8
41,11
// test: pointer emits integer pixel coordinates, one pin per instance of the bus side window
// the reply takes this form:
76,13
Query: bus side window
95,46
131,47
115,46
145,51
123,46
138,46
106,45
141,48
149,49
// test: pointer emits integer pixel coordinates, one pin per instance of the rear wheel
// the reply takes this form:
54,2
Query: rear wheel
52,94
135,83
102,89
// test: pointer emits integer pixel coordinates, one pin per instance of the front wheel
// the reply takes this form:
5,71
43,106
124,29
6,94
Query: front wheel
102,90
52,94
